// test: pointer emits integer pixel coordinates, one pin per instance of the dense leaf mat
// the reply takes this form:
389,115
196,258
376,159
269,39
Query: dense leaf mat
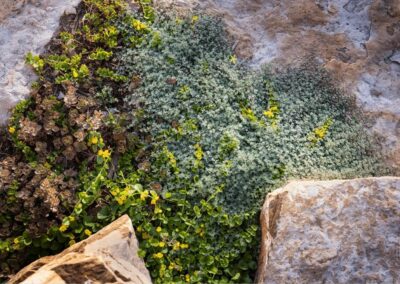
152,115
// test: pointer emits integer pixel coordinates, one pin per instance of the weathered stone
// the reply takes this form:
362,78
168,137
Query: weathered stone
8,7
340,231
109,256
25,25
395,57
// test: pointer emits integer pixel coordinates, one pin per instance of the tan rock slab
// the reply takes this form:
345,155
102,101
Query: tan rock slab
109,256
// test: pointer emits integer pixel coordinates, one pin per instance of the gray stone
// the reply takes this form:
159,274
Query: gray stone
395,58
339,231
25,25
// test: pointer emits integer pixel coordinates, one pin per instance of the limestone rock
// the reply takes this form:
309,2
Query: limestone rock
109,256
8,7
340,231
25,25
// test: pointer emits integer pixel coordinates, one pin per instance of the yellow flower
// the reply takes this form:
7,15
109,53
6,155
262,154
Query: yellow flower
16,241
195,19
11,129
154,199
187,278
87,232
269,113
184,246
320,133
176,246
71,242
158,255
161,244
274,108
144,195
94,140
104,154
158,229
139,229
63,228
121,200
171,266
72,218
138,25
233,59
75,73
157,210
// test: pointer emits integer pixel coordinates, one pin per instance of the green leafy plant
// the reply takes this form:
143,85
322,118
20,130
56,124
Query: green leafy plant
35,61
156,118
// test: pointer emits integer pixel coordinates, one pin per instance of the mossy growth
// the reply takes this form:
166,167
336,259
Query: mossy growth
151,115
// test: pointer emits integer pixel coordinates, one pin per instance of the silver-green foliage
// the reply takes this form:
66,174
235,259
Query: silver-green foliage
210,131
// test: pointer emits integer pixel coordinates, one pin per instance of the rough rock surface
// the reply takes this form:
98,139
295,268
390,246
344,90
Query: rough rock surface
109,256
25,25
332,232
359,40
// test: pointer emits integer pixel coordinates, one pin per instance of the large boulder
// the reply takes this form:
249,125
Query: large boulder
332,232
109,256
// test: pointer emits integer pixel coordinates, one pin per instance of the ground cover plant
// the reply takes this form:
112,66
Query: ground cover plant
145,113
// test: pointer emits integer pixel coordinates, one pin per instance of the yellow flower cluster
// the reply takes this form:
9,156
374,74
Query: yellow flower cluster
158,255
121,195
319,133
139,26
105,154
11,129
87,232
144,195
94,140
177,246
154,197
271,112
249,114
